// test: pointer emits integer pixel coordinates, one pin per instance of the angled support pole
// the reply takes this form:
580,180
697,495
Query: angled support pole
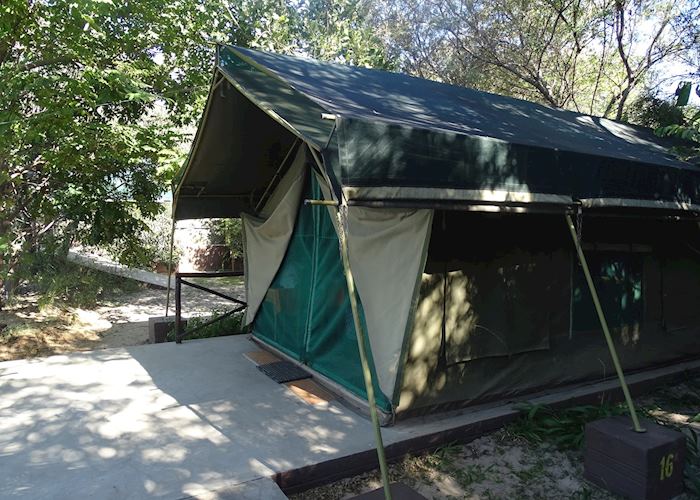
366,372
342,226
277,176
604,324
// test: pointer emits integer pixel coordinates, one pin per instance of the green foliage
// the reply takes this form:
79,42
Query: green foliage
83,133
653,112
230,325
338,30
149,247
98,100
685,132
669,120
227,232
688,131
563,428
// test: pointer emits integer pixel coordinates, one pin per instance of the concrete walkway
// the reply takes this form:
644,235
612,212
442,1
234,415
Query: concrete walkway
109,266
163,421
178,421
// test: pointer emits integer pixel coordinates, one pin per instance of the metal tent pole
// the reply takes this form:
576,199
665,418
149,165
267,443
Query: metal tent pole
604,324
366,372
263,198
170,265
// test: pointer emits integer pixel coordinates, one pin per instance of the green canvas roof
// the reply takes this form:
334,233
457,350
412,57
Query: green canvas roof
391,138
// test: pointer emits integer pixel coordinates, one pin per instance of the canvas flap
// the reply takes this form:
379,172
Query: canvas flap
266,239
387,250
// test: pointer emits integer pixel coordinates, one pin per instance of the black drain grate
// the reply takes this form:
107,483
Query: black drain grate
283,371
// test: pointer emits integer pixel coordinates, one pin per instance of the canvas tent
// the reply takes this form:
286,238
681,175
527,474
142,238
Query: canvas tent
452,202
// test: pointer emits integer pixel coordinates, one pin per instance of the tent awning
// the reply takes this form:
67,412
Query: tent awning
391,137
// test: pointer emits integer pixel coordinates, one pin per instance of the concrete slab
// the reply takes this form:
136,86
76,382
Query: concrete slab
163,420
190,420
104,264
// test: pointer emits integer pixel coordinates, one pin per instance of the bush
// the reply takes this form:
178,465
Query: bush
151,246
227,232
563,428
230,325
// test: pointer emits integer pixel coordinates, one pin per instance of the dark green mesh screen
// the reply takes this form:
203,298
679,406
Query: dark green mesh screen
618,280
306,312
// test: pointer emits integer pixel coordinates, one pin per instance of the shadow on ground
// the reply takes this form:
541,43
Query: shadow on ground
159,421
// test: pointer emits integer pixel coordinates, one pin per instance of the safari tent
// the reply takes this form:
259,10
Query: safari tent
453,205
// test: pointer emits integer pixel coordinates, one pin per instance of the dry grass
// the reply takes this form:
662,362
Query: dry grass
118,319
33,331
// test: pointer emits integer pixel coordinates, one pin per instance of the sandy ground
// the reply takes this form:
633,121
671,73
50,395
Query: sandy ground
503,466
117,322
491,467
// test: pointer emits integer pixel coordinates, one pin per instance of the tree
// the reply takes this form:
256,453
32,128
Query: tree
227,232
688,131
590,56
98,99
81,153
339,30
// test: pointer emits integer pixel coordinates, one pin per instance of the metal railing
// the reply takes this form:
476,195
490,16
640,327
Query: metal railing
179,281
